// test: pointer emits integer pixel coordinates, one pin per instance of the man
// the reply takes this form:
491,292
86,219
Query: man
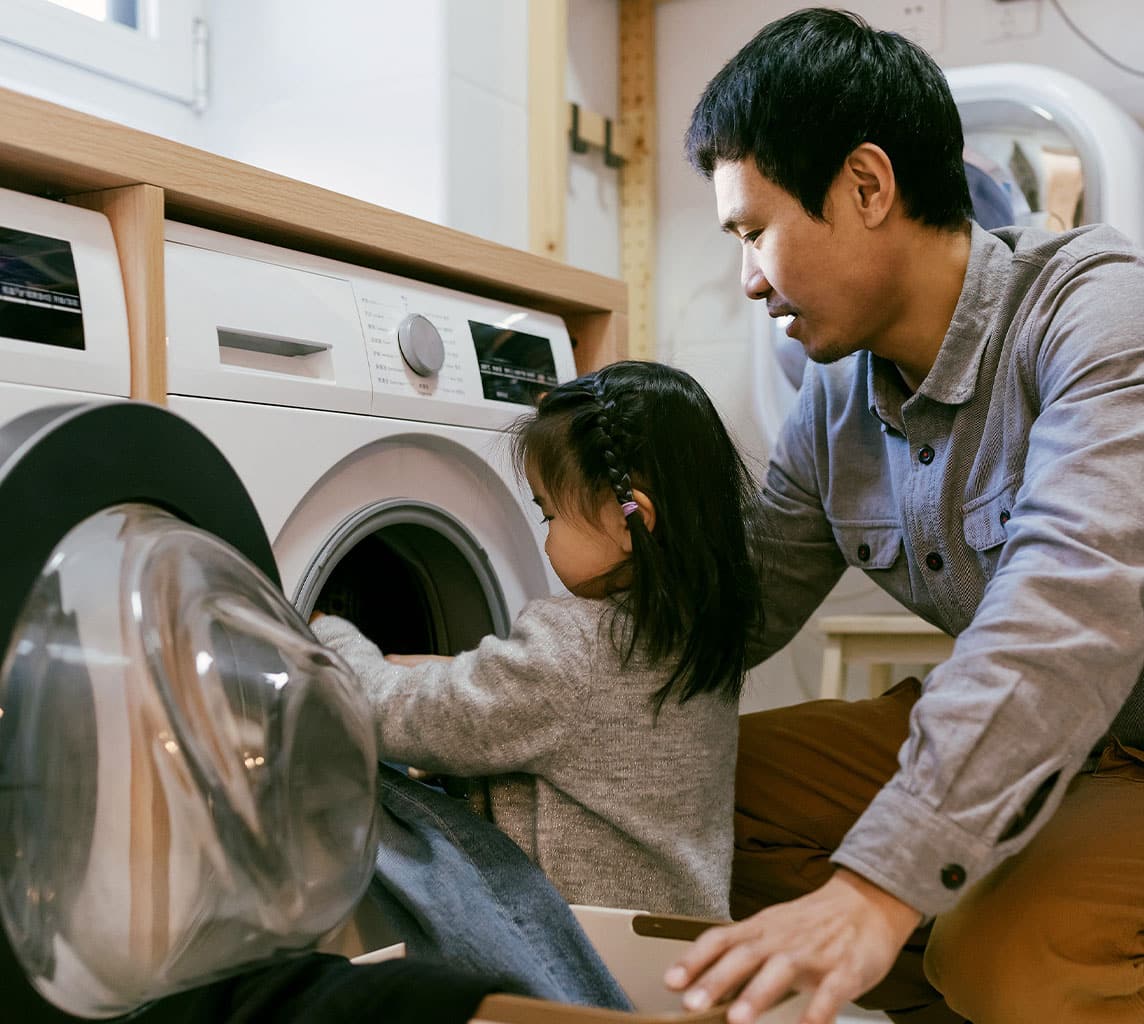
971,434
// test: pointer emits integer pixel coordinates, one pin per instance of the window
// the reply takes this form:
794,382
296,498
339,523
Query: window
154,44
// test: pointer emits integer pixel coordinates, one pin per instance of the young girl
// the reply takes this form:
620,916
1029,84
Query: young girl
606,722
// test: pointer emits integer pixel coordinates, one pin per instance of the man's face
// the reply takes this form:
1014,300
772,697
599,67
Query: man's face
826,274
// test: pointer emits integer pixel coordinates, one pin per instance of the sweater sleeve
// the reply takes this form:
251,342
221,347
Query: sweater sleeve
505,707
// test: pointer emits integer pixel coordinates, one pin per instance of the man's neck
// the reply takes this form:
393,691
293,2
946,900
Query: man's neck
933,272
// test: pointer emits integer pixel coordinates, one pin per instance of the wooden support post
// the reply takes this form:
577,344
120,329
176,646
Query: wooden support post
600,338
547,127
136,215
637,177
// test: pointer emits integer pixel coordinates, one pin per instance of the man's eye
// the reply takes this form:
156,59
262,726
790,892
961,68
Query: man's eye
751,237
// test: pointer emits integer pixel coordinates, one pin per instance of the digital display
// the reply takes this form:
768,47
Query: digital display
39,293
515,367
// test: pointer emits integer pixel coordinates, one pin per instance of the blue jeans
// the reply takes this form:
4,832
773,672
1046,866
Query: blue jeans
455,887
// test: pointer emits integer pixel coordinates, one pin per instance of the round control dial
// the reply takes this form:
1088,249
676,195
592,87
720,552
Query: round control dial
421,345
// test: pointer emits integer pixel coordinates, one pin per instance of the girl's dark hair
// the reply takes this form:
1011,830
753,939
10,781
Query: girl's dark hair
810,88
694,592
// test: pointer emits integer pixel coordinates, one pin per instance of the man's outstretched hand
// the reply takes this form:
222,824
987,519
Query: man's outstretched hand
837,942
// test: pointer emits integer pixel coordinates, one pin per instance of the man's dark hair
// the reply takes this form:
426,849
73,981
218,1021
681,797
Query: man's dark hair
810,88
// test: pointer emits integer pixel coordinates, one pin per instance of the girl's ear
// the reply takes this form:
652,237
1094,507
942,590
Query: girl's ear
646,512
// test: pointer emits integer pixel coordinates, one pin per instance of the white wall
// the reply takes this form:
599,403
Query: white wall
419,107
487,159
593,233
345,95
703,319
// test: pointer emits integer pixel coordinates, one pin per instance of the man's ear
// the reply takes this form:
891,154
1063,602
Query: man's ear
868,178
646,512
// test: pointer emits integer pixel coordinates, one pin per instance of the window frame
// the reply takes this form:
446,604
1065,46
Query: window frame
159,56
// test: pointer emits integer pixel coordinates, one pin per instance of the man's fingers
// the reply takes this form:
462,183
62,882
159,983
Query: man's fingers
835,991
710,945
727,974
777,977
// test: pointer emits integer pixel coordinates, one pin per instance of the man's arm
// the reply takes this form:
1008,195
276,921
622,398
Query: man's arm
792,543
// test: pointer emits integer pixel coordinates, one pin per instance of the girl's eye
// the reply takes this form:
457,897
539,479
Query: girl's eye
546,519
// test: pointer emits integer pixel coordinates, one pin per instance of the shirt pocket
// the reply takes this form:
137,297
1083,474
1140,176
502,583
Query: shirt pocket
985,524
869,546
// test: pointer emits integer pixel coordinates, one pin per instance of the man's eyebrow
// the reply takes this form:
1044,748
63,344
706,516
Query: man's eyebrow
730,226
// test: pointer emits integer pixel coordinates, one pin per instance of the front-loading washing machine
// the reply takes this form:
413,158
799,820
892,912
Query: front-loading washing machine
367,414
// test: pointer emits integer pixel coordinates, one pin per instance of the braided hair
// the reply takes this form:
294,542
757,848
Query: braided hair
690,595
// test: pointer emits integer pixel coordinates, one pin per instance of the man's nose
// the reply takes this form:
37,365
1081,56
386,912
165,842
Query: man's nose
754,281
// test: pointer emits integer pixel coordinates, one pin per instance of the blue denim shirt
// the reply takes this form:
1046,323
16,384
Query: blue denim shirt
1001,502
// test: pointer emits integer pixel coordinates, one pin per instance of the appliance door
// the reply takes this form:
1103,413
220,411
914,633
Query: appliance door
1059,152
186,776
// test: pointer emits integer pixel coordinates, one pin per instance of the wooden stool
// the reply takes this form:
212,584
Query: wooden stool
880,642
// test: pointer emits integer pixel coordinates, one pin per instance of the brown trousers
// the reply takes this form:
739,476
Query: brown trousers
1055,935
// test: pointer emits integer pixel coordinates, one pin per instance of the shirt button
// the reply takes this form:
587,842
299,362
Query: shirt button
864,552
925,456
1004,517
934,561
953,876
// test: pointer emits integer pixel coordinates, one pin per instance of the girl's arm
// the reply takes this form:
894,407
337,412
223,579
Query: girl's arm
505,707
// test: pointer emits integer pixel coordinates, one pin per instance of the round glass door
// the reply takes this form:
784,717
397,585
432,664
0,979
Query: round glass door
186,777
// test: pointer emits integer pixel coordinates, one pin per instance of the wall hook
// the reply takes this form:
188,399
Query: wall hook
611,158
579,144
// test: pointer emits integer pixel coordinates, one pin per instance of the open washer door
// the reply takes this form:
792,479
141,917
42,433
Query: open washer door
186,776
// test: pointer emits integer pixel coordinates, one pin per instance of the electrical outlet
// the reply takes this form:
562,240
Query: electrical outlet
920,20
1011,19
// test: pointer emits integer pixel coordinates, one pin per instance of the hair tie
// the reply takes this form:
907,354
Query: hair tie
628,507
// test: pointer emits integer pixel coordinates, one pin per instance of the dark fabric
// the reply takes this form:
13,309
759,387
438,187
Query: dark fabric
805,773
453,886
330,990
991,206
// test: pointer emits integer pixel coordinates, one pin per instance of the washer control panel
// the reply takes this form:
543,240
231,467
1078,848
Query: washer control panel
253,322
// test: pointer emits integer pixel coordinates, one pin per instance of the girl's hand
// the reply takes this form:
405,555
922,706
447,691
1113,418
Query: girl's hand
416,659
837,942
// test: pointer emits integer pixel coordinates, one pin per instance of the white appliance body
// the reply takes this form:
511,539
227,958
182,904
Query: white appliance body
63,320
293,366
1050,111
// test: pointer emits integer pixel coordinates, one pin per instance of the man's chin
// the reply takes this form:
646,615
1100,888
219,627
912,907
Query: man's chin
825,354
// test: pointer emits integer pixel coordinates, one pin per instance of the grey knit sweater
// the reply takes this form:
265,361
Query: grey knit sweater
618,806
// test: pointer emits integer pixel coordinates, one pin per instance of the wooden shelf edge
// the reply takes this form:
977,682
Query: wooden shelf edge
56,151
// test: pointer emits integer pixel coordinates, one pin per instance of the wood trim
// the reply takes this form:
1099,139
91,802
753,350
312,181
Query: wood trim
136,215
503,1009
671,926
599,339
638,176
50,150
547,127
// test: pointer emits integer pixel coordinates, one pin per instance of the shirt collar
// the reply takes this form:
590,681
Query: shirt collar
953,378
